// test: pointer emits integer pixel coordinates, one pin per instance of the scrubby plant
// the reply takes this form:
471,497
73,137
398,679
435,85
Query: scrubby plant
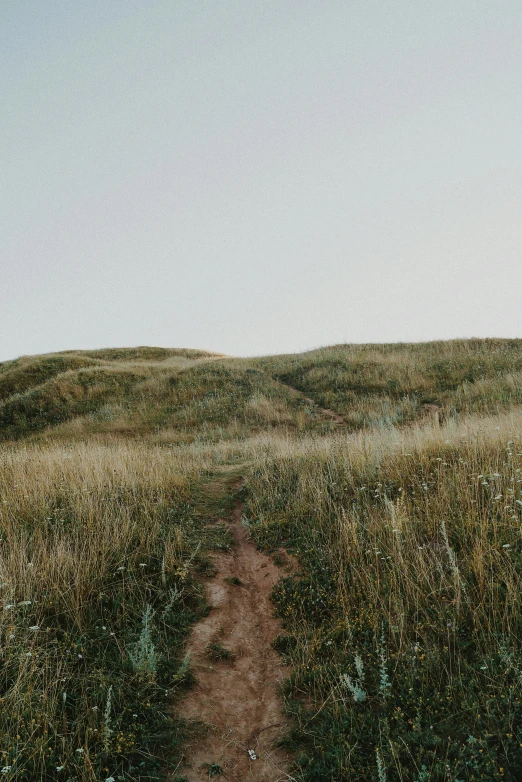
143,653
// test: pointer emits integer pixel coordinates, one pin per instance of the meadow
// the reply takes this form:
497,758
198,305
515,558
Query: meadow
404,625
401,622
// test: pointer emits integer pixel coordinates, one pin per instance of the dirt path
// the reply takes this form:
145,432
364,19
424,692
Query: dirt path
237,698
323,412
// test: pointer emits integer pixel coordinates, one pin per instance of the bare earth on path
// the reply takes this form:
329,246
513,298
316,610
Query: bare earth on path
237,698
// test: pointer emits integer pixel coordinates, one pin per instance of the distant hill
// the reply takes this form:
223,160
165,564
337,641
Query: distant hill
130,391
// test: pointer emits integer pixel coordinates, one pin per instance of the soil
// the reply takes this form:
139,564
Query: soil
237,698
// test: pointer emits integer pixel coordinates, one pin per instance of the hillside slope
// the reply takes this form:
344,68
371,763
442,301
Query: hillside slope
135,392
186,392
401,530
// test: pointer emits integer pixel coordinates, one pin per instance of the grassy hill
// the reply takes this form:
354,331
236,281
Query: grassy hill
389,384
137,391
402,623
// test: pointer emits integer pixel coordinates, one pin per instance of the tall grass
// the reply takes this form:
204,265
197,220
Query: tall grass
93,539
410,548
390,384
402,621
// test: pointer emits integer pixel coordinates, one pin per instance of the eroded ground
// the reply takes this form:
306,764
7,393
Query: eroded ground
237,697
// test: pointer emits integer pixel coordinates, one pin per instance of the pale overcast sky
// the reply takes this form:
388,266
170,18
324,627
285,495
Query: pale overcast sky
259,176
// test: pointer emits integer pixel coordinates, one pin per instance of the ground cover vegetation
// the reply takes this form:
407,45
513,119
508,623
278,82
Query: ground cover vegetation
402,621
376,385
100,552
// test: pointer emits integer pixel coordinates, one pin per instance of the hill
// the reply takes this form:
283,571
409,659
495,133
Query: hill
385,482
137,391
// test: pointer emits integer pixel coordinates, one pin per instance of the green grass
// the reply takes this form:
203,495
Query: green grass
410,584
402,620
193,394
204,398
102,551
376,385
219,653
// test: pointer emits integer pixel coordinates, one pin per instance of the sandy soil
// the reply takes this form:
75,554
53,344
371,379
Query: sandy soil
237,699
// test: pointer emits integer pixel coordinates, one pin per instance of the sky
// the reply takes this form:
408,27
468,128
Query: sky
258,177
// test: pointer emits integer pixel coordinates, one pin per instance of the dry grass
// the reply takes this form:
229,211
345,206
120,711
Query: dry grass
408,538
91,535
372,385
410,544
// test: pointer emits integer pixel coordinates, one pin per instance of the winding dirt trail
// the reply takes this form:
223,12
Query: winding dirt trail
237,698
323,412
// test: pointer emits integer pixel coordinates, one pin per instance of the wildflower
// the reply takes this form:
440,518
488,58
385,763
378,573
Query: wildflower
60,768
5,770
